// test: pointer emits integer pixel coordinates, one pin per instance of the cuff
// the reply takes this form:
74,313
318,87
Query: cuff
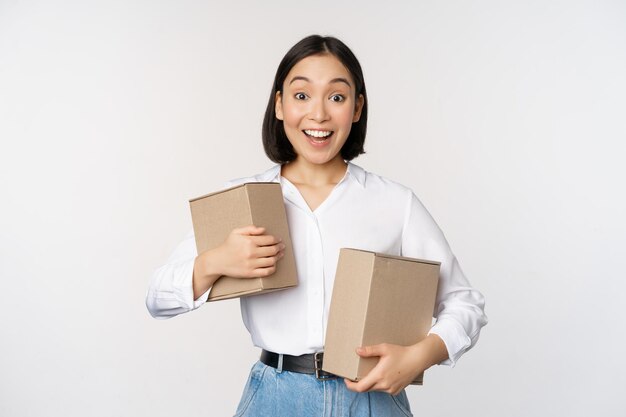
202,299
183,290
454,337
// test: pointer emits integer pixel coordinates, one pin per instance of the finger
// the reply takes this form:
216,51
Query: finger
369,351
351,385
363,385
263,272
267,261
265,251
265,240
250,230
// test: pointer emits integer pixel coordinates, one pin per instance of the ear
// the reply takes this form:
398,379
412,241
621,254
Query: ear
357,108
278,105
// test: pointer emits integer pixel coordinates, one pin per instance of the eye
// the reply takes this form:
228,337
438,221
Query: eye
337,98
300,96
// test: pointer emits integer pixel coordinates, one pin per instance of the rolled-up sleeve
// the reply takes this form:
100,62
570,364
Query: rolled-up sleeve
459,308
171,286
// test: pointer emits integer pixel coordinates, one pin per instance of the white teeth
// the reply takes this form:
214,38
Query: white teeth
318,133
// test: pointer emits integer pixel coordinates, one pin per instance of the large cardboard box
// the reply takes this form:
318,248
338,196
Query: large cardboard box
377,298
215,215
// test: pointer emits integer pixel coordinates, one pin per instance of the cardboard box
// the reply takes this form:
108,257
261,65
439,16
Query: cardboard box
377,298
215,215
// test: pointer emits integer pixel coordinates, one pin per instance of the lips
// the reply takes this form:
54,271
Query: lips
318,137
318,134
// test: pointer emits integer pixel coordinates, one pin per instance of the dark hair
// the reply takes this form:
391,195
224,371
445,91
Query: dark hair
275,142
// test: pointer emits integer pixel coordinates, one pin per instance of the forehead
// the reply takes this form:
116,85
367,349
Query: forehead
319,69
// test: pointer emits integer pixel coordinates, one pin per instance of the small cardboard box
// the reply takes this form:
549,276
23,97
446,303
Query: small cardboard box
377,298
215,215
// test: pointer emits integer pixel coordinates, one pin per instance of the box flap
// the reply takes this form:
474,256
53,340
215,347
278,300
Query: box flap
228,189
402,258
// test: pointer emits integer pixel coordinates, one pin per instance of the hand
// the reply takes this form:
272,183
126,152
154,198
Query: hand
248,253
398,365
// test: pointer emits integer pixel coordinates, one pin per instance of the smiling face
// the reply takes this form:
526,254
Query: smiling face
317,107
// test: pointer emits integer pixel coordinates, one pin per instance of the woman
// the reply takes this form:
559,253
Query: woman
315,123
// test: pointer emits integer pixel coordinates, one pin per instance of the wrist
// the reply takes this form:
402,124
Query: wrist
206,268
428,352
434,350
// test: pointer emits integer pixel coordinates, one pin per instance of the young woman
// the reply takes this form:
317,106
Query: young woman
315,123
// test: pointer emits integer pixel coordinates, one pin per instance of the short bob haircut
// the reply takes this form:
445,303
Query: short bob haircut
275,142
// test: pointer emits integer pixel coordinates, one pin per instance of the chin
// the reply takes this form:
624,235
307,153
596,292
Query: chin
319,160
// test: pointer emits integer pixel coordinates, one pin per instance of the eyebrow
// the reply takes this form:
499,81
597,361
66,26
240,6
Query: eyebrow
334,80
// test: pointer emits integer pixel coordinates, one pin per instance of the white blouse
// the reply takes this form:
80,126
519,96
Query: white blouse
364,211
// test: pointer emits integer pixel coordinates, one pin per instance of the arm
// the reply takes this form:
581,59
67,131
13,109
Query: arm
183,283
459,310
170,292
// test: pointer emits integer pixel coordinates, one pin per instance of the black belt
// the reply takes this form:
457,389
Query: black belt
304,364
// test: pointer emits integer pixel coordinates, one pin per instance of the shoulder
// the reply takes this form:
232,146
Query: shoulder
379,184
390,192
270,175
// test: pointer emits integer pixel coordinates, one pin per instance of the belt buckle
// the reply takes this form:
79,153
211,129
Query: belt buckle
319,373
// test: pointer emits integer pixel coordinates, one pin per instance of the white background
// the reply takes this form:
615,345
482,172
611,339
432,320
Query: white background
507,118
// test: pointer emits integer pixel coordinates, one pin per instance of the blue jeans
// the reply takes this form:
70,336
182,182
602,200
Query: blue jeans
273,393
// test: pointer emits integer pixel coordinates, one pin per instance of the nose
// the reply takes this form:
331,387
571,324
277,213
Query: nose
318,111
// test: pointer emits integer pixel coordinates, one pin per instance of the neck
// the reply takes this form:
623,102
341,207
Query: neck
303,172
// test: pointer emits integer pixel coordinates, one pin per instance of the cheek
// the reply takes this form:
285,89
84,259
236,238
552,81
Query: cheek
291,124
290,120
344,118
292,115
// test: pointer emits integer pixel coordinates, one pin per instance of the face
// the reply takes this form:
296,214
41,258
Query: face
317,107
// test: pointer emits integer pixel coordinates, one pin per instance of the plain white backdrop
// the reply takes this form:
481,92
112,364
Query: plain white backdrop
505,117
